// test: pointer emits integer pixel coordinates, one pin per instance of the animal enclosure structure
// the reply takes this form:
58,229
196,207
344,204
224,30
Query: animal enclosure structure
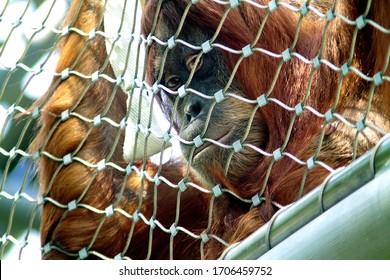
195,129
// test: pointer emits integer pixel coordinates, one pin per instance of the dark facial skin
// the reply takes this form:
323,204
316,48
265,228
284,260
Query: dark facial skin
224,122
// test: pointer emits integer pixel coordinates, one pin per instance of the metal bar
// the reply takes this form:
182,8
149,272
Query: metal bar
358,227
340,185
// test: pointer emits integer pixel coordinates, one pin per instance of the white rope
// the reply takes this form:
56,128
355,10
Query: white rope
125,44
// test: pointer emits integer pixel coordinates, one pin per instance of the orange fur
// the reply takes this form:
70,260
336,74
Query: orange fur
231,219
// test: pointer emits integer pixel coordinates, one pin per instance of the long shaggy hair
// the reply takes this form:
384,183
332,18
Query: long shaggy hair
292,81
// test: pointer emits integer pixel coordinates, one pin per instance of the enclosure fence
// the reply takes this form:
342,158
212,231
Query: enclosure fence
30,31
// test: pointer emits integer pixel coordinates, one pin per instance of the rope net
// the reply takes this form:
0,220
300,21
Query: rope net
117,166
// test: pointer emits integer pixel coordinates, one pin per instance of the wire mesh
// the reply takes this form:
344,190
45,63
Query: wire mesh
95,203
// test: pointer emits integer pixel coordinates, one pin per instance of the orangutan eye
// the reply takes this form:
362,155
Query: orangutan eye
173,82
191,62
